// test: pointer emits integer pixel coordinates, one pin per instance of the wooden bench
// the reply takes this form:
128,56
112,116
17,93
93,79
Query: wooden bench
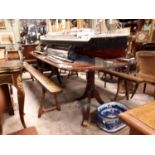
47,85
125,78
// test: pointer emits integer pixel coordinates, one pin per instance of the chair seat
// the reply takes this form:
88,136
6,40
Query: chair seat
26,131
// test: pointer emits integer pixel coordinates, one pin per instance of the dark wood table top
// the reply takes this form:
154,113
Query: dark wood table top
79,65
7,66
73,66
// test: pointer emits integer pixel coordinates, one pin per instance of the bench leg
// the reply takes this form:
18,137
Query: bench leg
32,77
118,88
135,89
144,89
105,76
56,102
42,102
41,108
126,89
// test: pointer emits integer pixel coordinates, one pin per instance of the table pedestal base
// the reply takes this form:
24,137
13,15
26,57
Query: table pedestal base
90,92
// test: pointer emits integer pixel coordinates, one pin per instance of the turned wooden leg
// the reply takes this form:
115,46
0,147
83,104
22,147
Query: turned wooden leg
126,89
144,89
58,76
97,97
69,73
85,121
105,76
134,132
21,96
32,77
118,89
42,101
135,89
8,100
77,74
57,104
11,90
2,107
154,93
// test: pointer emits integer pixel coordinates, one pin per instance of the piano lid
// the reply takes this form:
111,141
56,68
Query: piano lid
83,36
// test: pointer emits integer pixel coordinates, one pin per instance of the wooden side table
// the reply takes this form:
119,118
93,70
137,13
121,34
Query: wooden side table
10,73
141,119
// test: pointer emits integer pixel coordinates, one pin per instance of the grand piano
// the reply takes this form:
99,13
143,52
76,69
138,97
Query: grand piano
77,53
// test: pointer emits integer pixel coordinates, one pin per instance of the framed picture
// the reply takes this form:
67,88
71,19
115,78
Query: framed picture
2,24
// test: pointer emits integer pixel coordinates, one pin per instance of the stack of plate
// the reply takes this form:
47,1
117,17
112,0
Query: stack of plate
107,116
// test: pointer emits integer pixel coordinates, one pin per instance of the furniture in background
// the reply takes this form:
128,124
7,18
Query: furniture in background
13,55
144,72
147,47
145,62
126,79
141,119
27,49
26,131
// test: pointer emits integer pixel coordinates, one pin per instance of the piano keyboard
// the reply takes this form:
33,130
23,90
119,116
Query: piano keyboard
58,59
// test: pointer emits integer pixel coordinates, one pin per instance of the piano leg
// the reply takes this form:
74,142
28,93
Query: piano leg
90,92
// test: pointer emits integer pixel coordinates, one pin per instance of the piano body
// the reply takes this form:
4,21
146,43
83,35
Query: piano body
71,49
105,46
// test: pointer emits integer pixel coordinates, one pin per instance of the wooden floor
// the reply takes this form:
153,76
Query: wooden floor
68,120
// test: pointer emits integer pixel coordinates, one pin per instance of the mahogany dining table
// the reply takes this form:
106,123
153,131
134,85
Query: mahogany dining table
81,66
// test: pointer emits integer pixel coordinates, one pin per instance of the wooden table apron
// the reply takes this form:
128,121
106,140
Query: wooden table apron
13,76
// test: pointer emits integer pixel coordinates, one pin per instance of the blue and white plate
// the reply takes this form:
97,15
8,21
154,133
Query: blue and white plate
107,116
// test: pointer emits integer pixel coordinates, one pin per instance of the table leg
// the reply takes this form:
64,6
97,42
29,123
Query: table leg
90,92
134,132
21,96
134,91
55,71
8,101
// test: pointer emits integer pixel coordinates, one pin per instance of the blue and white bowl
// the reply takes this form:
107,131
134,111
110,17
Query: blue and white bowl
107,116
